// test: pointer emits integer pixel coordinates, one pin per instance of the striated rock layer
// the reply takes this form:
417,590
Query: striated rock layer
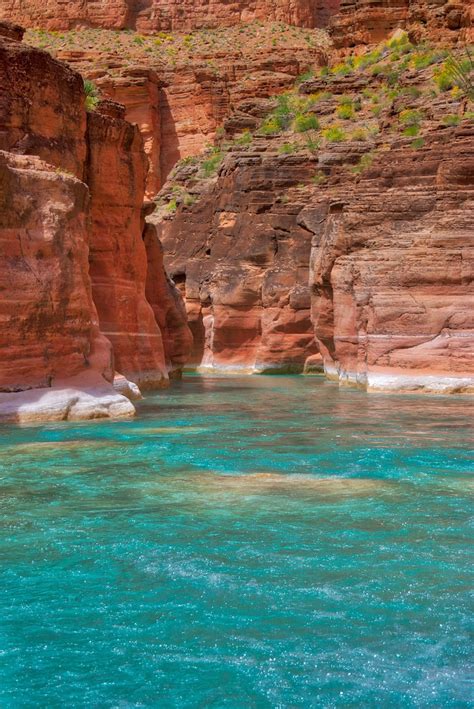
377,194
154,15
116,172
179,109
392,270
71,197
242,262
361,22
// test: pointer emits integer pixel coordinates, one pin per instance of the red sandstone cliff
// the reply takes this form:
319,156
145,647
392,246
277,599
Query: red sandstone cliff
392,270
243,263
116,172
360,22
72,195
154,15
388,215
180,106
287,249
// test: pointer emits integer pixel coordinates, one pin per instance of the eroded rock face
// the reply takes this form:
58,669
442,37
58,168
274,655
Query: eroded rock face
50,342
41,106
49,324
56,355
116,173
153,15
242,262
179,110
392,270
392,249
168,306
359,22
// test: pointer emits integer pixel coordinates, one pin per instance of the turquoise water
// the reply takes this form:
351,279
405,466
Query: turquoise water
254,542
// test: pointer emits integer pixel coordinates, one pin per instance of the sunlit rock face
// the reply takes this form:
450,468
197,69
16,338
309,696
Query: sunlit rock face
154,15
359,22
41,105
392,269
242,263
180,109
49,325
116,172
74,266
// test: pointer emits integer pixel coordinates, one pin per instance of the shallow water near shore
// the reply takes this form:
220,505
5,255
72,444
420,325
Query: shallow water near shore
245,542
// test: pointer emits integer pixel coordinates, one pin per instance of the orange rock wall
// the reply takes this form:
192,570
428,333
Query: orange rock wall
154,15
179,111
242,262
168,306
41,107
48,322
116,173
392,270
367,21
140,92
70,244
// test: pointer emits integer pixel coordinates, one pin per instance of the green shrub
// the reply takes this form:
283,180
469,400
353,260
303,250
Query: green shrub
288,148
342,69
304,122
418,143
346,112
244,138
452,120
401,44
392,77
345,100
334,134
323,96
172,206
390,74
364,163
412,91
319,178
210,166
313,143
189,199
398,41
285,107
359,134
443,80
305,77
423,60
368,59
411,131
460,72
378,70
411,117
92,95
270,126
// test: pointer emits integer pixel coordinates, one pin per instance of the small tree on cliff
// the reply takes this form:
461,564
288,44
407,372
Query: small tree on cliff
461,73
92,95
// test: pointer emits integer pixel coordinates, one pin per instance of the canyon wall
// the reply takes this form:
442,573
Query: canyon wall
179,109
379,196
155,15
392,270
242,262
73,257
116,173
361,22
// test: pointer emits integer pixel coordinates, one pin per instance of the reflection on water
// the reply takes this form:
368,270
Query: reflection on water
254,542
